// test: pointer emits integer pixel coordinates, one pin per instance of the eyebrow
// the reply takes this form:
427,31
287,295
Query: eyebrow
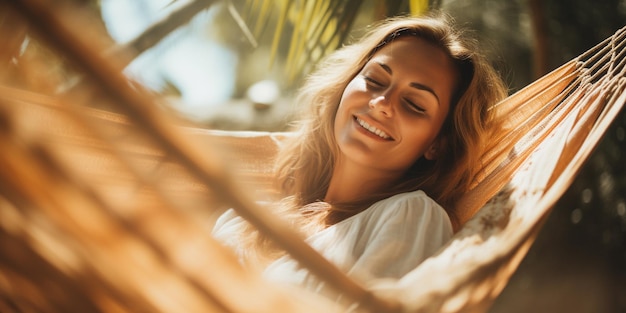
412,84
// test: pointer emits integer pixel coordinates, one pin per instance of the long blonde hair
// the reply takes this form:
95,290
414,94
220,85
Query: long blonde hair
305,165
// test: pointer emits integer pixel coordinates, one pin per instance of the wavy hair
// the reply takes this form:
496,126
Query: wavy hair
305,165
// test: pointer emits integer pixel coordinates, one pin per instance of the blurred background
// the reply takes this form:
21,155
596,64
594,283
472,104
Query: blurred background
237,66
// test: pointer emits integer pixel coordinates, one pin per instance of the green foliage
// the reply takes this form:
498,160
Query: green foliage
309,30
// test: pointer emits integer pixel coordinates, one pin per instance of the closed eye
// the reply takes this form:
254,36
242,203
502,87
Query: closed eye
414,107
372,82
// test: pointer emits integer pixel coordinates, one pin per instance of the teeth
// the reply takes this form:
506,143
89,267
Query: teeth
372,129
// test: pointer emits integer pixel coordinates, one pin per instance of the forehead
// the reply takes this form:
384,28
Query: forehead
418,60
414,50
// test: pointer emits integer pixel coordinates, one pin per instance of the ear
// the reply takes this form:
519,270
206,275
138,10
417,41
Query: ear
431,153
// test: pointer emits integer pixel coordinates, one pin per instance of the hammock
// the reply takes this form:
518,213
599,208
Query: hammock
106,212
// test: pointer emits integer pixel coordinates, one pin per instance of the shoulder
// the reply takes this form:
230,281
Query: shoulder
414,203
417,196
411,213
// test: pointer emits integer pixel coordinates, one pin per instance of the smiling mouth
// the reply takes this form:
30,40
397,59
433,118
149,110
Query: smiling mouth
372,129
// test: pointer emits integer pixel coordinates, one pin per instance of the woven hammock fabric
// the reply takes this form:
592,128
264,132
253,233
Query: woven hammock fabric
105,212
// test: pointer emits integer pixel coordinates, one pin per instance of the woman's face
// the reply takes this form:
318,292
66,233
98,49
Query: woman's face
391,112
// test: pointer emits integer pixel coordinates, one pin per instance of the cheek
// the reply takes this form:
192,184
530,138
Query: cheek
419,138
340,115
352,90
346,101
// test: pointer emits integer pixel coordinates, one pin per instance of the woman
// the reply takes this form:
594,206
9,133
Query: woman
393,139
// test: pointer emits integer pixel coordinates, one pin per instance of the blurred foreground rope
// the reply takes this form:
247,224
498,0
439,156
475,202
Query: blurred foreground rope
162,131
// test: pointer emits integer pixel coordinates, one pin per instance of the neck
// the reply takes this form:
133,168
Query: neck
351,182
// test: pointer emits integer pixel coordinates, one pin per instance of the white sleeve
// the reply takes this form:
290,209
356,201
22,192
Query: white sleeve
227,230
397,237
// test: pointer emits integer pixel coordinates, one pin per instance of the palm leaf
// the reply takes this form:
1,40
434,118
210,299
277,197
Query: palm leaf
418,7
279,29
312,29
262,23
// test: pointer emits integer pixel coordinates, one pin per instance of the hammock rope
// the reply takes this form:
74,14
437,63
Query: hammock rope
113,209
162,131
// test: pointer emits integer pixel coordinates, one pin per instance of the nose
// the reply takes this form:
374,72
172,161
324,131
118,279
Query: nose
381,105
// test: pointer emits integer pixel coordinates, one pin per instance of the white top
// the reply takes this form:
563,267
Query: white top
387,240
